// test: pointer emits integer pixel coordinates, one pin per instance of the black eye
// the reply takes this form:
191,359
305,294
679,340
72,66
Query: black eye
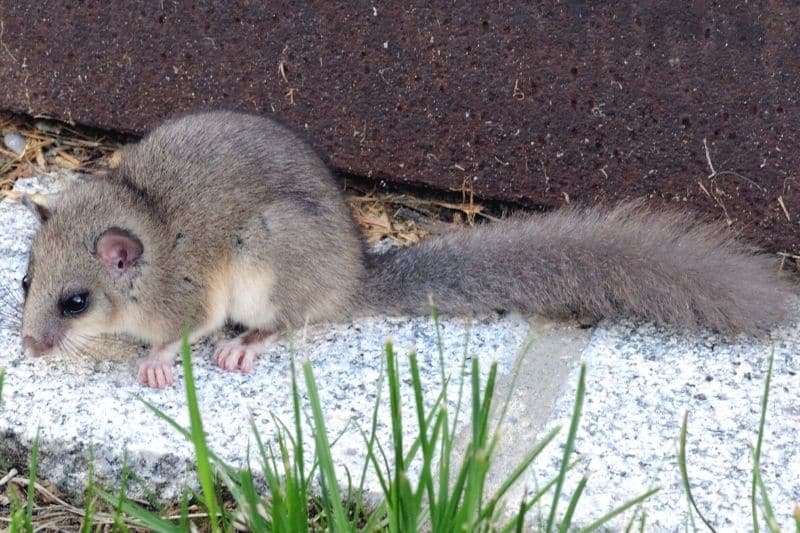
26,283
74,305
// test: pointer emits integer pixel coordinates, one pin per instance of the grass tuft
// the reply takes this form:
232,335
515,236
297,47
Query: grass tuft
429,479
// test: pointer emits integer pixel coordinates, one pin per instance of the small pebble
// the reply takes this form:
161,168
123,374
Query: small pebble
14,142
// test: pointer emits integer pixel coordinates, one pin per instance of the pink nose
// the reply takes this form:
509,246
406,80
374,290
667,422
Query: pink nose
35,348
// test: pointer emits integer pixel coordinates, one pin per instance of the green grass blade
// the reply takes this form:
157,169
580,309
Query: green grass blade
330,488
573,430
632,521
289,502
597,524
198,438
88,511
373,459
430,418
429,473
476,402
376,519
183,522
573,504
251,512
479,463
34,463
519,470
462,383
457,494
759,441
520,518
398,501
528,505
17,521
373,432
2,378
439,512
117,524
437,327
297,482
769,514
298,424
486,405
684,471
139,514
278,507
797,518
426,479
449,498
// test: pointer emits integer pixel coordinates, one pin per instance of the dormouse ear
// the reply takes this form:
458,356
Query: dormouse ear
118,250
39,206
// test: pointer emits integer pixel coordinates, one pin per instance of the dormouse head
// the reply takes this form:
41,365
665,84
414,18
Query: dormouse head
81,269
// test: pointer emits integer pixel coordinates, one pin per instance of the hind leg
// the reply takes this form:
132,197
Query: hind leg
240,353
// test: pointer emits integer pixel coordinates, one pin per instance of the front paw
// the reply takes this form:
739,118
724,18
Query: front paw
156,369
155,374
232,355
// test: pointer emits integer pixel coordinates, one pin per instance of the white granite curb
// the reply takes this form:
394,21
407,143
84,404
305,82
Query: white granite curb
640,381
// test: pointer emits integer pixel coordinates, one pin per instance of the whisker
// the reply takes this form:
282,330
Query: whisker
106,347
9,322
76,344
114,340
11,304
11,308
91,350
69,348
73,354
11,292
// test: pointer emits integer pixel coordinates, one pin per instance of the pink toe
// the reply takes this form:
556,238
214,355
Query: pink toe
234,355
223,356
247,362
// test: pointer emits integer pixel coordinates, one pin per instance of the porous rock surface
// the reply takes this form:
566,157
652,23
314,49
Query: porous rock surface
540,103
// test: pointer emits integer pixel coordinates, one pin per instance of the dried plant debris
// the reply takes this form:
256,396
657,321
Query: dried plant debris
51,512
33,147
406,219
36,146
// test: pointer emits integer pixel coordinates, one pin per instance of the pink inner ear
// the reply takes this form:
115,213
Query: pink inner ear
117,251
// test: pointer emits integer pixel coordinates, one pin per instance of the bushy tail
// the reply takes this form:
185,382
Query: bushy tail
629,260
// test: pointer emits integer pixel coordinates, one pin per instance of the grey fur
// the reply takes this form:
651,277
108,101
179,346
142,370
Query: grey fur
626,261
212,190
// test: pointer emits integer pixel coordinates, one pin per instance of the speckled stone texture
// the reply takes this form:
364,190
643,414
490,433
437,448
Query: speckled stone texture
78,404
531,102
640,381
